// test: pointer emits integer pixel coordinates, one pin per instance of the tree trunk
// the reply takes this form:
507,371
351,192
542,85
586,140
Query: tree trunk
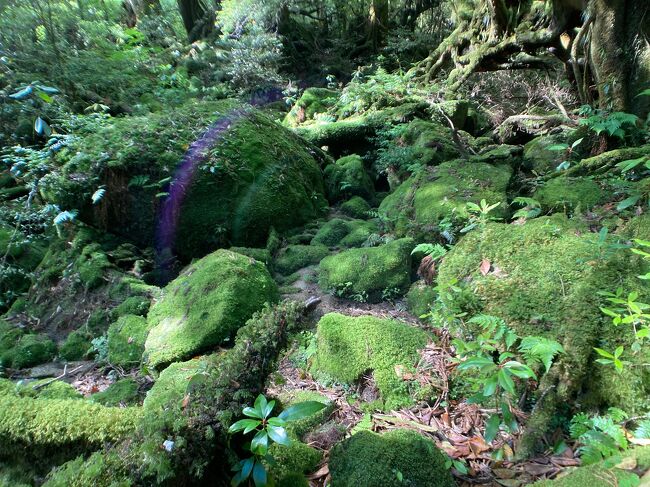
198,17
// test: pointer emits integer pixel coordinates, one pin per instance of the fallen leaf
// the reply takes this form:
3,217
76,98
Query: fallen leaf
485,267
186,400
627,464
504,473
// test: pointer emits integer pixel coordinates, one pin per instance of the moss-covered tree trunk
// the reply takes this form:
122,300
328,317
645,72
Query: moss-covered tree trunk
198,17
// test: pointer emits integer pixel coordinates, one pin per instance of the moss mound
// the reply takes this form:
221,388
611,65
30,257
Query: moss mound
563,193
348,348
545,280
356,207
206,305
344,233
396,458
76,346
348,177
295,257
29,350
133,305
241,175
420,298
420,203
369,274
171,385
126,339
121,393
313,101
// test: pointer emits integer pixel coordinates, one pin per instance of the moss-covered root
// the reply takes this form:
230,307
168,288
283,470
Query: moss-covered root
394,459
350,347
52,425
612,471
206,305
369,274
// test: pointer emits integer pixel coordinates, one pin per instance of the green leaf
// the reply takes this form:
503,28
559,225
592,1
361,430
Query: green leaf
628,165
47,89
259,475
22,94
603,353
618,352
506,381
247,467
260,404
492,427
477,362
577,143
260,443
44,96
247,425
252,413
278,434
98,195
627,202
276,421
42,128
301,410
268,409
558,147
490,386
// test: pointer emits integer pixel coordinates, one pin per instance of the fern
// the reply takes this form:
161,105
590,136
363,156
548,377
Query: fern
435,251
98,195
497,328
65,216
642,430
540,350
599,436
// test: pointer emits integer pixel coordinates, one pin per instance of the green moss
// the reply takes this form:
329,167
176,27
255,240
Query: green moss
367,459
91,266
171,386
549,280
133,305
348,177
356,207
126,339
331,233
47,389
537,157
296,458
120,393
206,305
9,337
348,348
258,174
420,298
358,233
419,204
293,480
59,423
298,429
369,272
312,102
564,193
605,472
32,350
260,255
295,257
100,469
76,346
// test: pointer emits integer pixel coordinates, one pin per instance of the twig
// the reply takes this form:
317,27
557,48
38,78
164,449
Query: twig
54,379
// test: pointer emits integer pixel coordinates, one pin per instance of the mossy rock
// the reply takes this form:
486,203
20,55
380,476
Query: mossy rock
76,346
348,177
47,389
435,140
611,471
171,386
244,174
120,393
537,156
133,305
331,233
369,273
349,348
394,459
91,266
295,257
549,277
298,429
296,458
32,350
205,305
564,193
359,232
9,337
260,255
345,233
101,468
421,202
312,102
356,207
126,339
420,298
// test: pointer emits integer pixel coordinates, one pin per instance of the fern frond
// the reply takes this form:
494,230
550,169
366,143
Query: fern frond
540,350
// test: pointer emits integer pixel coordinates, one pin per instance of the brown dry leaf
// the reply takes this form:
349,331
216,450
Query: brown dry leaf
504,473
402,373
510,482
477,445
186,401
538,470
485,267
565,462
321,472
640,441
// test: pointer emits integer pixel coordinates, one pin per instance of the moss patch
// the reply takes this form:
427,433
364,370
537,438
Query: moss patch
369,272
76,345
563,193
348,348
313,101
206,305
420,298
121,393
32,350
348,177
295,257
126,339
367,460
356,207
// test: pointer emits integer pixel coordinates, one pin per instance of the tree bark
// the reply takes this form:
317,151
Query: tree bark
198,17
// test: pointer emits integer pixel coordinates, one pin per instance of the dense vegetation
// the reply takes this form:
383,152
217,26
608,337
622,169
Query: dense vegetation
318,242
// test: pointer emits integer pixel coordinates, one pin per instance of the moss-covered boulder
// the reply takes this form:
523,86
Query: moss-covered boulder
124,392
348,177
420,203
77,345
133,305
348,348
230,171
314,101
394,459
206,305
420,298
295,257
126,339
356,207
545,279
29,350
537,156
369,274
331,233
564,193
